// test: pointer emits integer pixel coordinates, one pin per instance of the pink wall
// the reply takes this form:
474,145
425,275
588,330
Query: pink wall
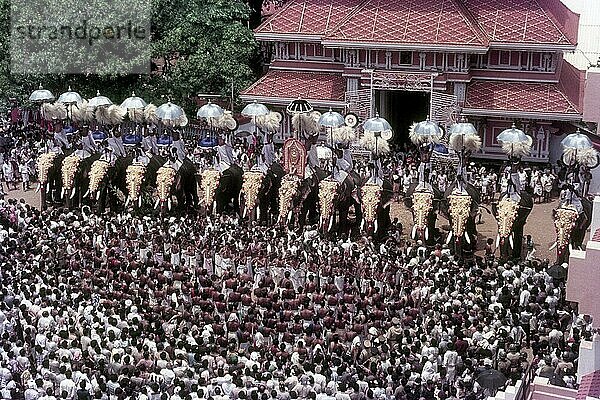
591,100
572,82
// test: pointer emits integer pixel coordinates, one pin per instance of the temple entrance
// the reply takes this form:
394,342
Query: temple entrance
402,108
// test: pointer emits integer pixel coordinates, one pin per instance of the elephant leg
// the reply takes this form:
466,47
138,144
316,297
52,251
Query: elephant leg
343,223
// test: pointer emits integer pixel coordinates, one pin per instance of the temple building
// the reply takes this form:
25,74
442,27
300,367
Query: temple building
494,62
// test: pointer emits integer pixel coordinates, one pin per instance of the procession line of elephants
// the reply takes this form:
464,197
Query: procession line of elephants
228,197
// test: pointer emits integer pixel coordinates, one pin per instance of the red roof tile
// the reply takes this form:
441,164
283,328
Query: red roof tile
410,22
308,17
590,386
518,97
290,85
517,21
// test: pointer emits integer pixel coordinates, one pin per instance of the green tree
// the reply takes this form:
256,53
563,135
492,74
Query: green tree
205,45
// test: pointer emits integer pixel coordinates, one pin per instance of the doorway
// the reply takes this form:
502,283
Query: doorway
401,109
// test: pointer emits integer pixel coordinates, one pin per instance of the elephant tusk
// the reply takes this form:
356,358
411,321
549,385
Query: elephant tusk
511,240
376,226
62,193
362,225
553,246
214,207
449,237
330,224
413,234
97,195
38,188
497,240
72,193
289,218
140,202
127,201
258,213
320,221
426,233
245,212
48,187
169,204
87,193
467,238
156,204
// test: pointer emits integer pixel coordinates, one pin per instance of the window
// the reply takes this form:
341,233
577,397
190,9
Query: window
504,58
405,58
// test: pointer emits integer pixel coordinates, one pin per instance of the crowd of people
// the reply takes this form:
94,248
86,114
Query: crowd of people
128,307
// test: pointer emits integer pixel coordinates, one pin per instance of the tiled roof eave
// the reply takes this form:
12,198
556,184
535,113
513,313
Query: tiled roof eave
540,115
532,46
337,43
290,37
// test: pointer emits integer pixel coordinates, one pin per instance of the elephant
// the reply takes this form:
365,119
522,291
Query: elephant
570,197
464,248
227,193
50,187
431,234
510,237
379,227
305,202
266,198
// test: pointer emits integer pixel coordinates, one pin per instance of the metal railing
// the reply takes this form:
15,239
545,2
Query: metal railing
523,392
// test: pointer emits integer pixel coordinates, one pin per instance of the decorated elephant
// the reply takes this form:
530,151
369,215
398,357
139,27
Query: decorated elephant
511,212
258,198
376,205
424,202
461,206
571,221
49,167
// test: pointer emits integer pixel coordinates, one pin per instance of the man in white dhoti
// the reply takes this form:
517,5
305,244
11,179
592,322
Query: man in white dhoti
225,157
87,140
116,144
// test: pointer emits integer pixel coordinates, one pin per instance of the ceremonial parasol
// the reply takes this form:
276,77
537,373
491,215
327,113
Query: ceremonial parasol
331,119
512,135
169,112
255,109
133,102
515,142
299,106
377,124
577,141
210,110
41,94
428,131
99,101
70,97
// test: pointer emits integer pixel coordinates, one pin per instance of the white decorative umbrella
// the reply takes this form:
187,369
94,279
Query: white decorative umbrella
299,106
169,112
210,110
134,102
377,124
255,109
464,136
99,101
463,128
426,132
515,142
41,94
70,97
331,119
577,141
